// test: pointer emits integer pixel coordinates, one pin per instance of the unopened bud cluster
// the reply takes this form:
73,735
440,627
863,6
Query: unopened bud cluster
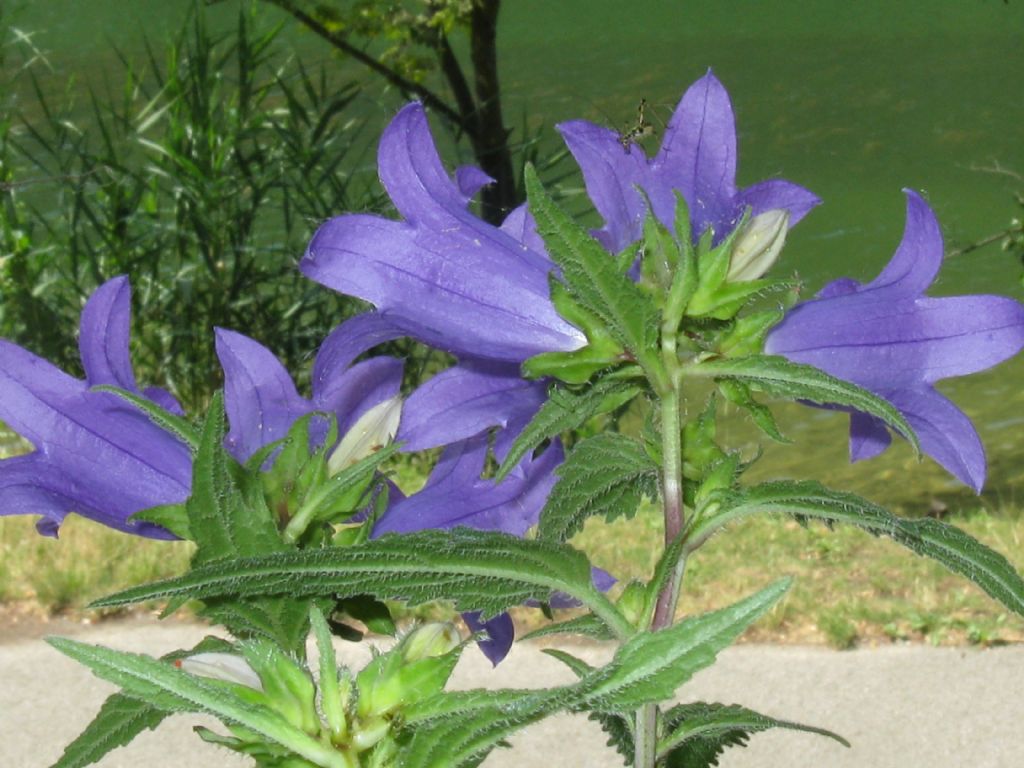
359,717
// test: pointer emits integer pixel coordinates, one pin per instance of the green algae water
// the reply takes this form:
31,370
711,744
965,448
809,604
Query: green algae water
852,100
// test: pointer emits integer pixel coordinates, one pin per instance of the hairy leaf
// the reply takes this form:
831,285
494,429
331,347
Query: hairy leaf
947,544
650,666
122,718
604,475
778,376
173,690
178,426
591,274
481,571
698,733
566,410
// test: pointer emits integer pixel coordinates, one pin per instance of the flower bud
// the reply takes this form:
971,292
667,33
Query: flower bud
428,640
371,432
758,246
226,667
287,685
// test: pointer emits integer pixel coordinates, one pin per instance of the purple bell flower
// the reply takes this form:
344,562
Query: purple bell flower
442,275
260,397
888,337
697,158
95,454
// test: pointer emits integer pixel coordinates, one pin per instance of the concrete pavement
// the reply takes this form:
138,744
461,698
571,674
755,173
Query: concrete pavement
900,706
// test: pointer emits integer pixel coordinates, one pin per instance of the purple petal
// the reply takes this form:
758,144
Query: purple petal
868,437
521,225
470,180
450,289
103,336
455,495
101,459
259,395
348,341
919,256
443,275
358,389
406,155
777,194
945,433
611,175
36,485
466,400
501,632
698,154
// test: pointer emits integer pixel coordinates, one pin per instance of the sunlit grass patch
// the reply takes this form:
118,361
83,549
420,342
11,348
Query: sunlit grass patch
86,562
849,587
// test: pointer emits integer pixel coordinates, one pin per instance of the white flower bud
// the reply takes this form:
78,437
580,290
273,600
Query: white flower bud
371,432
221,666
758,246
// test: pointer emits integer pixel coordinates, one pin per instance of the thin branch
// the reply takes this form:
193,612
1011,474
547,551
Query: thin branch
405,85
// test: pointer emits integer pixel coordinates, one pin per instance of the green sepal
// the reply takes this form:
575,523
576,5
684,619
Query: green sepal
699,447
686,276
746,337
287,685
332,703
173,517
738,393
576,367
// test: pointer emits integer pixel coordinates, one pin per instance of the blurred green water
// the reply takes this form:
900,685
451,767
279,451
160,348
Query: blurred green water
853,100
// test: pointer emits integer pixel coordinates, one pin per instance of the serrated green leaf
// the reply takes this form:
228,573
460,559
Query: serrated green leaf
604,475
698,733
778,376
566,410
456,730
178,426
577,665
224,521
174,690
481,571
944,543
591,275
122,718
650,666
588,625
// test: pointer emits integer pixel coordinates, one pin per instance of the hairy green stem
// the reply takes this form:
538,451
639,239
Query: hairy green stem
645,742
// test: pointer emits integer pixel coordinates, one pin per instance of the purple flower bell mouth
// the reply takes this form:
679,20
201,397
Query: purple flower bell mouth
441,275
888,337
95,454
697,158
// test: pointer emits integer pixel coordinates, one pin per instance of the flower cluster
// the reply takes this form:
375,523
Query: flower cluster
444,277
